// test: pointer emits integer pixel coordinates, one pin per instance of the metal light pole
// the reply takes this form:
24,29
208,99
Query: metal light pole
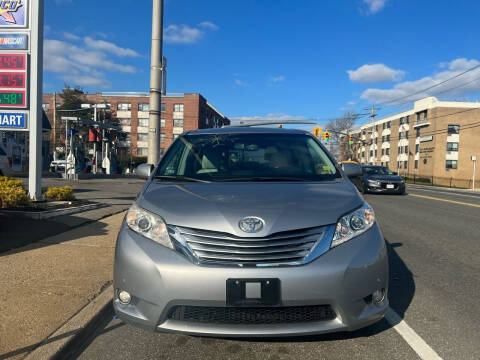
155,83
474,159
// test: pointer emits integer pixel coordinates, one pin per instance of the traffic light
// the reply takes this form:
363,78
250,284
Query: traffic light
350,139
317,131
327,136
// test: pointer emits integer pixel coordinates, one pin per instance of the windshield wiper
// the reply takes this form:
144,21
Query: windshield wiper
178,178
267,178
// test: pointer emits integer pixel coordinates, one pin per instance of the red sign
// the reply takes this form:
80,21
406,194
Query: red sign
12,98
13,61
12,80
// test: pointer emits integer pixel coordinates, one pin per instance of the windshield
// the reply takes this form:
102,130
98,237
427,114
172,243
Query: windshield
246,157
377,170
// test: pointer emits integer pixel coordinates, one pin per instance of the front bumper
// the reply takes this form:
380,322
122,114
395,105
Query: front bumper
398,189
160,279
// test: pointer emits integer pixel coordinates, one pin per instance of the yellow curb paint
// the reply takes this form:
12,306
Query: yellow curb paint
445,200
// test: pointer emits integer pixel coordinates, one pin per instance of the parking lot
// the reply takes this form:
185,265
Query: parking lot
432,237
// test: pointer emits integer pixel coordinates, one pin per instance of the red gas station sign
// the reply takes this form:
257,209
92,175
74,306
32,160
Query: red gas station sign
13,81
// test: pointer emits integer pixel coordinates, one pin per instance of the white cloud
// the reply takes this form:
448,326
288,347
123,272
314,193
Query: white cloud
351,103
71,36
107,46
277,79
375,73
374,6
239,82
82,65
208,25
184,34
464,84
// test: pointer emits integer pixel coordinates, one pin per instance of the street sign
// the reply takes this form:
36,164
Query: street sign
13,41
13,121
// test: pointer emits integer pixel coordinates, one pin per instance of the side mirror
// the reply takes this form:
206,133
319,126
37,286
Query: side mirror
352,170
143,171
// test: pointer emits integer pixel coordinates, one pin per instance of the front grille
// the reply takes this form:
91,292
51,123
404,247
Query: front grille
217,247
384,185
252,315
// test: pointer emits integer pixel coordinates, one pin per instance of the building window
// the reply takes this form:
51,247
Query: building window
124,106
399,149
143,122
388,137
143,107
178,123
408,119
388,125
387,151
418,132
376,127
46,107
406,134
162,151
453,129
383,138
376,153
363,154
399,164
406,149
162,122
162,137
163,107
383,151
142,151
175,136
383,126
402,121
401,136
405,164
452,146
422,116
142,137
417,148
125,122
416,164
451,164
178,107
386,164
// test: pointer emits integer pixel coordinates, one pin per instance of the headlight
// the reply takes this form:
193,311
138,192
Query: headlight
373,182
353,224
149,225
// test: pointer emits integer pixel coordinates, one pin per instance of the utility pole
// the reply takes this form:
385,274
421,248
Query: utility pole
156,70
373,114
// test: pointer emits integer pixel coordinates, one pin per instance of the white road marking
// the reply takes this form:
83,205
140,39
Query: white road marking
423,350
443,192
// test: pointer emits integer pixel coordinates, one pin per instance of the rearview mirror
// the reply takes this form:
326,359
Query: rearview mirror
143,171
352,170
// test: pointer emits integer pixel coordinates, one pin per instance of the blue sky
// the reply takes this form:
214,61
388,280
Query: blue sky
271,58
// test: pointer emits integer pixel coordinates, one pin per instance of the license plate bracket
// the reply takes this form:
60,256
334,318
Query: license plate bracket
237,293
390,186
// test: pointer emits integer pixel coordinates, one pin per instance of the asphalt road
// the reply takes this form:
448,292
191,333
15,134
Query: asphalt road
433,237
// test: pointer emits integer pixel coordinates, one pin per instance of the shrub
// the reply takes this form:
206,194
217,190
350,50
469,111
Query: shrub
12,193
60,193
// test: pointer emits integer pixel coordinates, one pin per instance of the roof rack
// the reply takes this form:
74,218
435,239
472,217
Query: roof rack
248,123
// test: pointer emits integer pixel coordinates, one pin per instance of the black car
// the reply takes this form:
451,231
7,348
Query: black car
379,179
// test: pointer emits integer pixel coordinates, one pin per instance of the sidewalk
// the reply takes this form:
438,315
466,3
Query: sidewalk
44,284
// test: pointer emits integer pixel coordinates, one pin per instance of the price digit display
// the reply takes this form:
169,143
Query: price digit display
12,80
12,61
12,98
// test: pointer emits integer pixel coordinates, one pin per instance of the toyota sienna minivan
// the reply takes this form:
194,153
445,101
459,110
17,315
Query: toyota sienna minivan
244,231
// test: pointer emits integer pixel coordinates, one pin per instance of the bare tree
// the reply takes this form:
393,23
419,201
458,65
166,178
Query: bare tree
340,128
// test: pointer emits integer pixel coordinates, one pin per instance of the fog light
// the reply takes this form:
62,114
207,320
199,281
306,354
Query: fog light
124,297
378,296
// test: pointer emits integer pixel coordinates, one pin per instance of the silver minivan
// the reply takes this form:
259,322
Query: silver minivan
244,231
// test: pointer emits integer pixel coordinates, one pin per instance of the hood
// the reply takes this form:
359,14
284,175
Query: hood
220,206
384,177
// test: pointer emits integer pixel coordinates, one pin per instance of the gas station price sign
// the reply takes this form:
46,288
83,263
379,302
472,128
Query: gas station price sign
13,81
13,61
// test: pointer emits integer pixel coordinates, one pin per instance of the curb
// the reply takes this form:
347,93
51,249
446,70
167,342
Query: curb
53,213
66,339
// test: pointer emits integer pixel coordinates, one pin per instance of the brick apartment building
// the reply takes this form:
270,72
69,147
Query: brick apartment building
130,111
435,140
